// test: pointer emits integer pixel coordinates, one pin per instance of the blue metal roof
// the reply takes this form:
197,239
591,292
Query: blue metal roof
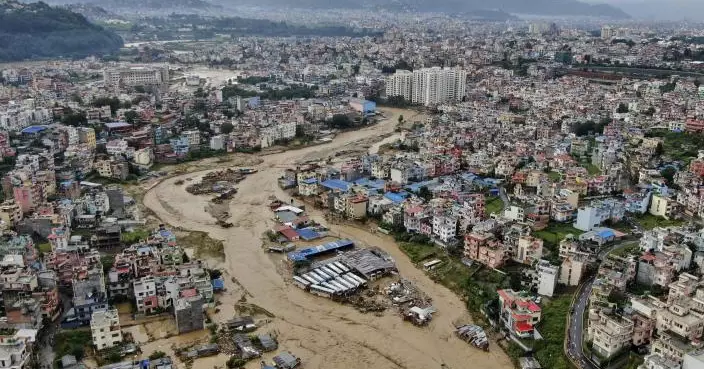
218,284
337,184
304,254
396,197
310,181
606,233
308,234
33,129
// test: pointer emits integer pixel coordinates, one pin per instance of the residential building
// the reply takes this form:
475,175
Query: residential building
592,216
572,269
15,348
135,76
518,313
400,84
444,228
188,310
145,294
432,86
547,277
609,334
529,250
486,249
105,329
662,206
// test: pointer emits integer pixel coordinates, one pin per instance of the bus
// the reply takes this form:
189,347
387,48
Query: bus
431,264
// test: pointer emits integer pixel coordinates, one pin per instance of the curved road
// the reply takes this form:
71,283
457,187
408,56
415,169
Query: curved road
323,333
576,329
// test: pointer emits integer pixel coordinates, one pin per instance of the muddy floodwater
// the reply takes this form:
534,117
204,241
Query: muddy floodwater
323,333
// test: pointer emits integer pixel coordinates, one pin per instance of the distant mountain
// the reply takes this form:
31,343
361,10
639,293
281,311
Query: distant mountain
139,6
37,30
539,7
94,13
663,10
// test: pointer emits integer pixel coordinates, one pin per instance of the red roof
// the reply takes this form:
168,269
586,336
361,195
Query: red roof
504,295
532,306
523,327
289,233
189,292
648,257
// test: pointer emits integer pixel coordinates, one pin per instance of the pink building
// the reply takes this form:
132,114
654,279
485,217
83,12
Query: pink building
486,249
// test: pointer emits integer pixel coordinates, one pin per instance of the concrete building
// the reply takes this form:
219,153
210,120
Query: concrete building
693,360
145,294
189,312
592,216
547,277
518,313
529,250
656,361
15,349
432,86
105,329
609,334
135,76
662,206
400,84
572,269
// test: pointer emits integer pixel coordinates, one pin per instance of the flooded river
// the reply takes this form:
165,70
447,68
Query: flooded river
323,333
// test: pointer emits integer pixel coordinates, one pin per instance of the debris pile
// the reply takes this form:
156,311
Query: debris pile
413,305
368,302
220,181
473,334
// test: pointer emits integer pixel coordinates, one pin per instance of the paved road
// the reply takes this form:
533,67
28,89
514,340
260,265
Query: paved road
576,328
504,197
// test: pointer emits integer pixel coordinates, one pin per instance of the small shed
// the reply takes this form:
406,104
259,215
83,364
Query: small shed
286,360
267,342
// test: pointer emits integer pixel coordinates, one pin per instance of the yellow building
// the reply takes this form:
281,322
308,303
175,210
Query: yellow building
87,136
662,206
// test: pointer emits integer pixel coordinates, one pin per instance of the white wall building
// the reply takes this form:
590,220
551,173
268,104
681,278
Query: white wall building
432,86
105,329
445,228
547,277
136,76
145,294
400,84
269,135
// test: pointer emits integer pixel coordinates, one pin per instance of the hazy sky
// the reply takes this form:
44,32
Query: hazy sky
659,9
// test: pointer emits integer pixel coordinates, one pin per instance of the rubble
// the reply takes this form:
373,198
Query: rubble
219,181
473,334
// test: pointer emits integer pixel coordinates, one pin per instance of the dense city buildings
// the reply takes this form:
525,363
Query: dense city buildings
177,196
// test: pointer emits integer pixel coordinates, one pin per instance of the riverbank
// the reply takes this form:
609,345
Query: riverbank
323,333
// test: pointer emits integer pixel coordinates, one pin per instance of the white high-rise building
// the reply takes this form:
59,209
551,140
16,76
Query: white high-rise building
438,85
136,76
400,84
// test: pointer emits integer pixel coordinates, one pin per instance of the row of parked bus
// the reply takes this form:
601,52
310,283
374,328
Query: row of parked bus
333,279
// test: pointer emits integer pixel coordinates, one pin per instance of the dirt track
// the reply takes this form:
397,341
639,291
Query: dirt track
323,333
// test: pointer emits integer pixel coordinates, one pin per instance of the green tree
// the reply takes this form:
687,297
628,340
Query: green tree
425,193
131,117
669,174
74,119
400,119
227,128
341,121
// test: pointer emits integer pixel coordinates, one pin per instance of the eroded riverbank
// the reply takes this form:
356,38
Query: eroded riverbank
323,333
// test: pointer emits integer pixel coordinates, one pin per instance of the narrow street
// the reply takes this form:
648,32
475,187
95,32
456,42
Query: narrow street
577,332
